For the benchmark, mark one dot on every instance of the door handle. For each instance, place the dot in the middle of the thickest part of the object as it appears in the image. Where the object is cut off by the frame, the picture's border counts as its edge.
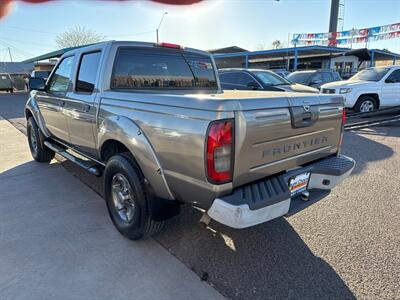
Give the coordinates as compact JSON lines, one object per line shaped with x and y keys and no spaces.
{"x":62,"y":103}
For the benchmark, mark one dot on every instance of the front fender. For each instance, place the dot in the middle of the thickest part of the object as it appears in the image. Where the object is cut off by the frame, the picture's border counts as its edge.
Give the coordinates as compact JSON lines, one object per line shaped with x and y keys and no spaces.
{"x":127,"y":132}
{"x":33,"y":108}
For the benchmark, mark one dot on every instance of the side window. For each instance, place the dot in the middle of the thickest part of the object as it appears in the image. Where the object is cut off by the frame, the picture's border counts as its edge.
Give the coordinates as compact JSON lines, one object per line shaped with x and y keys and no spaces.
{"x":244,"y":79}
{"x":336,"y":76}
{"x":326,"y":77}
{"x":228,"y":78}
{"x":317,"y":77}
{"x":87,"y":73}
{"x":61,"y":78}
{"x":394,"y":77}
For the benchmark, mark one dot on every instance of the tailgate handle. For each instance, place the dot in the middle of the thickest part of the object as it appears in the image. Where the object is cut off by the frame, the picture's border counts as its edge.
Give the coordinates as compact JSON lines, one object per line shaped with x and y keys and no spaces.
{"x":303,"y":116}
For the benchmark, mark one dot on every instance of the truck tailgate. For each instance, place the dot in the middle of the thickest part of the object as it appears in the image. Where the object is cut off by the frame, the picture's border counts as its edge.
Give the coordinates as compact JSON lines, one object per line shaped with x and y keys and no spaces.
{"x":272,"y":140}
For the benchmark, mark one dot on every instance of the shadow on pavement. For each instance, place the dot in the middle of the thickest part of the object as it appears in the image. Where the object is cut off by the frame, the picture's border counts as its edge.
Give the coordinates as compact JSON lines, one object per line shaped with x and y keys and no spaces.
{"x":374,"y":151}
{"x":269,"y":261}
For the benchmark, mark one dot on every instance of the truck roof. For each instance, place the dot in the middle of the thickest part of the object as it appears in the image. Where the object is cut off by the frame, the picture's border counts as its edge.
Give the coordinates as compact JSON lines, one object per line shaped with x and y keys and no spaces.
{"x":133,"y":44}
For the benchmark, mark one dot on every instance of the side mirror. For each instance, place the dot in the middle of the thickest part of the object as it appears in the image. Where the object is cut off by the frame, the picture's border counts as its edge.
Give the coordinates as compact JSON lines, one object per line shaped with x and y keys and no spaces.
{"x":37,"y":84}
{"x":253,"y":85}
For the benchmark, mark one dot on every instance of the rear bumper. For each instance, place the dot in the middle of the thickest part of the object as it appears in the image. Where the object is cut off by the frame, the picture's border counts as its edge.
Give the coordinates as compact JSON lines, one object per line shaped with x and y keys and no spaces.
{"x":270,"y":198}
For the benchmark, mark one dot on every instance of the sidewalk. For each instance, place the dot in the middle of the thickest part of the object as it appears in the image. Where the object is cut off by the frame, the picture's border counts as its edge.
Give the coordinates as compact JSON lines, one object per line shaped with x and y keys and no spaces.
{"x":57,"y":241}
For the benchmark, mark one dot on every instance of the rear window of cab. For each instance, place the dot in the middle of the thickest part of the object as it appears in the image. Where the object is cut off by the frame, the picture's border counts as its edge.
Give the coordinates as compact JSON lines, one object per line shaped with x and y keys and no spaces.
{"x":161,"y":69}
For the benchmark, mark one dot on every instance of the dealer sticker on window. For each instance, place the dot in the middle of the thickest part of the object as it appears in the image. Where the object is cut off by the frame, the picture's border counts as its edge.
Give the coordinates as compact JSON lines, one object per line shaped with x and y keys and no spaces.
{"x":298,"y":183}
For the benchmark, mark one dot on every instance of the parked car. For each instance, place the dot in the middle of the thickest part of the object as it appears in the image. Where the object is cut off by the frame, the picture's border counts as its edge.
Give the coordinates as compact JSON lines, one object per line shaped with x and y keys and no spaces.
{"x":258,"y":79}
{"x":369,"y":89}
{"x":6,"y":84}
{"x":314,"y":78}
{"x":40,"y":74}
{"x":282,"y":73}
{"x":154,"y":122}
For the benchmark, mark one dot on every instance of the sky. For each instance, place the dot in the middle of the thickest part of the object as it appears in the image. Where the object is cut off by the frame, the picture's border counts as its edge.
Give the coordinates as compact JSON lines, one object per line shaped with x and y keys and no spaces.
{"x":30,"y":30}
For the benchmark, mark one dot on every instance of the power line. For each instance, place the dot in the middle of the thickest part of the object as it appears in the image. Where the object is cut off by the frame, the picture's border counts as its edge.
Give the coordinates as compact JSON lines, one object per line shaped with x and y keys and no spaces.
{"x":29,"y":29}
{"x":57,"y":33}
{"x":27,"y":42}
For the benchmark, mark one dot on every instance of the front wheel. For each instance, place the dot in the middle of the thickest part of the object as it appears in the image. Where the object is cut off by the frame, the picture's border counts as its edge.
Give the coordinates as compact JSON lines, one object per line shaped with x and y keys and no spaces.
{"x":39,"y":151}
{"x":126,"y":198}
{"x":365,"y":104}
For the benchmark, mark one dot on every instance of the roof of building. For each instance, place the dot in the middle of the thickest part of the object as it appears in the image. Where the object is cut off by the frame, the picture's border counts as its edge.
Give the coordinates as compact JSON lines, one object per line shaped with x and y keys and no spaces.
{"x":306,"y":50}
{"x":231,"y":49}
{"x":365,"y":54}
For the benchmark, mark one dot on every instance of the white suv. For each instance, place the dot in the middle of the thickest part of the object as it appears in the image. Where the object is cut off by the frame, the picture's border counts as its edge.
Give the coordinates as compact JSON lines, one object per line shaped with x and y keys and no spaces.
{"x":369,"y":89}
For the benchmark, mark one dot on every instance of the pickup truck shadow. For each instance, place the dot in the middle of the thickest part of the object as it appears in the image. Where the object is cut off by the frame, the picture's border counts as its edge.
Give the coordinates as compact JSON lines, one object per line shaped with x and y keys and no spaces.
{"x":269,"y":261}
{"x":365,"y":150}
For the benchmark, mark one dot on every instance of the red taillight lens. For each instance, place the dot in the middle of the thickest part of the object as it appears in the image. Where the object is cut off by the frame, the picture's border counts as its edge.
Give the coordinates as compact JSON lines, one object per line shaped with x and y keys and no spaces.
{"x":220,"y":151}
{"x":344,"y":116}
{"x":343,"y":122}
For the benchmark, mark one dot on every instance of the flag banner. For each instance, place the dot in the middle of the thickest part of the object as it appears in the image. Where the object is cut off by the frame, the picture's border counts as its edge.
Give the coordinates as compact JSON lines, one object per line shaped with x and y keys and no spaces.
{"x":349,"y":36}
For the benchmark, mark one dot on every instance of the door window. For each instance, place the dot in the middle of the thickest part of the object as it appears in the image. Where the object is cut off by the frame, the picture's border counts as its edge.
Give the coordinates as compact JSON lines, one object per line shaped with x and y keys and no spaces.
{"x":394,"y":77}
{"x":317,"y":78}
{"x":245,"y":79}
{"x":326,"y":77}
{"x":88,"y":72}
{"x":228,"y":78}
{"x":61,"y":78}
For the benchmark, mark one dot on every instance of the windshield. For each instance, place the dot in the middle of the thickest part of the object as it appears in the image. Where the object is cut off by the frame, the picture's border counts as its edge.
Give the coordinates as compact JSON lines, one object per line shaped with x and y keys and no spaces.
{"x":270,"y":79}
{"x":373,"y":74}
{"x":300,"y":77}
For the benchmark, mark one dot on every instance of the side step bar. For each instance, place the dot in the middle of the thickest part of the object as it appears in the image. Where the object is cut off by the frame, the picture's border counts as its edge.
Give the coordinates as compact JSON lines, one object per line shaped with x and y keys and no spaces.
{"x":85,"y":164}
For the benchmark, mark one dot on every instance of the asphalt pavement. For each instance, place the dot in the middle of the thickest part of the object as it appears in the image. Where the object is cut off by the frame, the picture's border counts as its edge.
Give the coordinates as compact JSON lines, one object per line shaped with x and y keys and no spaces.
{"x":57,"y":241}
{"x":346,"y":246}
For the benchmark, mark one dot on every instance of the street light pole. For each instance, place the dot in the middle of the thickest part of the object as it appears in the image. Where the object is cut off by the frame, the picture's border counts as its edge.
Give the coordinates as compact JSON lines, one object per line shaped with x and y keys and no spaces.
{"x":159,"y":25}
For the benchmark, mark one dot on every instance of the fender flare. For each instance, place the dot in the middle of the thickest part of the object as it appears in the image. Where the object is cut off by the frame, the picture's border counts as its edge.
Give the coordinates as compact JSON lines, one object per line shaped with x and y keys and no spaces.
{"x":128,"y":133}
{"x":32,"y":106}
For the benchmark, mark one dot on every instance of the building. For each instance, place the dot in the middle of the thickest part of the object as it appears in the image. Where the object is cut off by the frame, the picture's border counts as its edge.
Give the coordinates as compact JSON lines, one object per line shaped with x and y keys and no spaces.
{"x":231,"y":49}
{"x":343,"y":60}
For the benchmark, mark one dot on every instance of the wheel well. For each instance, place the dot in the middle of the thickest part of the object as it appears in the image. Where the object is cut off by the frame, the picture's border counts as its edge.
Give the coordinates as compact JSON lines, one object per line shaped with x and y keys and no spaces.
{"x":28,"y":114}
{"x":375,"y":96}
{"x":111,"y":148}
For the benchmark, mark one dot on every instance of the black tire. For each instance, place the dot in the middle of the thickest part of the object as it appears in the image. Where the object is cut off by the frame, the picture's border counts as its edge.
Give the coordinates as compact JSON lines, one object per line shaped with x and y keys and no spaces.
{"x":36,"y":139}
{"x":365,"y":101}
{"x":141,"y":224}
{"x":11,"y":91}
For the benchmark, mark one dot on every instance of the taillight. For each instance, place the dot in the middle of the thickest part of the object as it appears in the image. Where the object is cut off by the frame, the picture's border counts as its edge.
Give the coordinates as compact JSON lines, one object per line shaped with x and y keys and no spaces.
{"x":343,"y":122}
{"x":220,"y":151}
{"x":344,"y":116}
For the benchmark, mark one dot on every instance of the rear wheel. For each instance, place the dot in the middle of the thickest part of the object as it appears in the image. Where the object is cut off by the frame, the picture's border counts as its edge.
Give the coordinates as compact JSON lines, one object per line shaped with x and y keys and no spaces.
{"x":39,"y":151}
{"x":366,"y":104}
{"x":126,"y":198}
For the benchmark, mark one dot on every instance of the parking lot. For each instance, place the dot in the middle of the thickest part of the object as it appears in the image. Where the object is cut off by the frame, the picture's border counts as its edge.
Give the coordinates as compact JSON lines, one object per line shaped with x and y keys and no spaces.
{"x":344,"y":247}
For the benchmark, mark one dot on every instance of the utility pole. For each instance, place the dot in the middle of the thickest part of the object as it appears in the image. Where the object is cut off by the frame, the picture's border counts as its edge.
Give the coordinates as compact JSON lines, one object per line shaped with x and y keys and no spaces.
{"x":333,"y":22}
{"x":9,"y":52}
{"x":159,"y":25}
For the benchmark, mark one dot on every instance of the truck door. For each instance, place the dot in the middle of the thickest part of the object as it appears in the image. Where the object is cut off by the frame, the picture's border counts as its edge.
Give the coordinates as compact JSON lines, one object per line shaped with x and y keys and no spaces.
{"x":81,"y":108}
{"x":52,"y":101}
{"x":391,"y":89}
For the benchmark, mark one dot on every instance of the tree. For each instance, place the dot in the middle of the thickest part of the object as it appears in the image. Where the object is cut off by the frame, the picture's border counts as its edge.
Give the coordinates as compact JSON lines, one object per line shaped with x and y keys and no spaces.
{"x":78,"y":36}
{"x":276,"y":44}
